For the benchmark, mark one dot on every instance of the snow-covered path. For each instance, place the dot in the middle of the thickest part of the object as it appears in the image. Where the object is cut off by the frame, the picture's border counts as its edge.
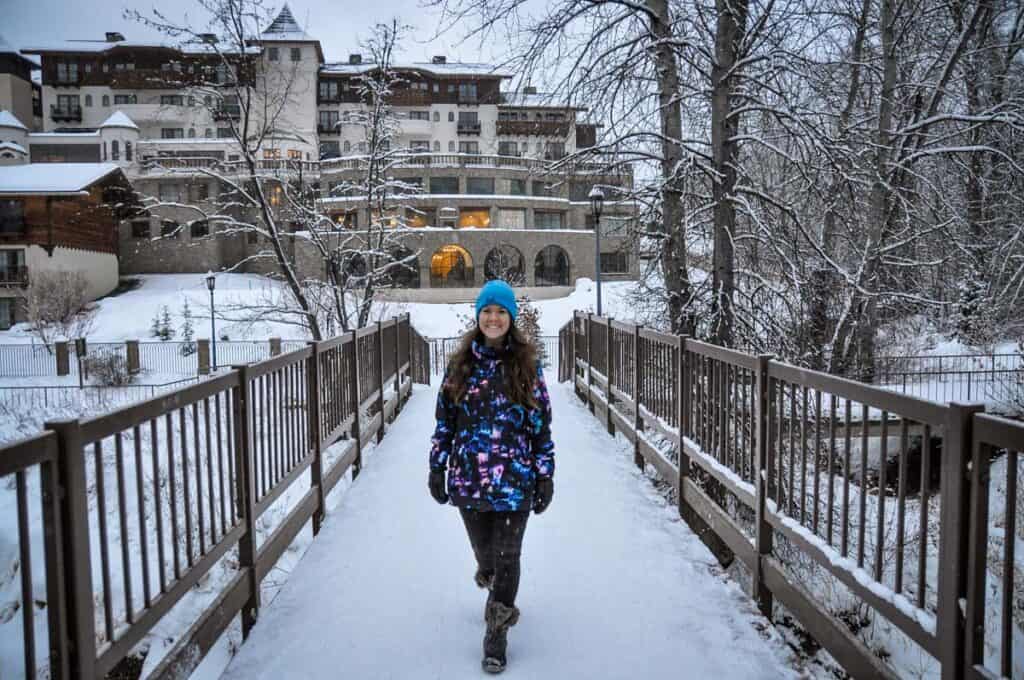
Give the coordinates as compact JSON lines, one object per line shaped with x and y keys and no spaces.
{"x":613,"y":585}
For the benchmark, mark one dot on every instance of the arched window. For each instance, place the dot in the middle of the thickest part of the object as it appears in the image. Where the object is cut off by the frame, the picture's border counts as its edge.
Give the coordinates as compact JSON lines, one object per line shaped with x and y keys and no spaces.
{"x":405,"y":269}
{"x":115,"y":151}
{"x":88,"y":100}
{"x":451,"y":146}
{"x":505,"y":262}
{"x":106,"y":100}
{"x":551,"y":267}
{"x":128,"y":151}
{"x":437,"y":117}
{"x":437,"y":145}
{"x":191,"y":133}
{"x":451,"y":267}
{"x":348,"y":146}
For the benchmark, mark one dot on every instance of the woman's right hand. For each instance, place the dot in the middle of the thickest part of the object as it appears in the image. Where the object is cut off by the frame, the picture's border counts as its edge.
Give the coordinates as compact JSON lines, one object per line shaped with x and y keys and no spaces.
{"x":438,"y":487}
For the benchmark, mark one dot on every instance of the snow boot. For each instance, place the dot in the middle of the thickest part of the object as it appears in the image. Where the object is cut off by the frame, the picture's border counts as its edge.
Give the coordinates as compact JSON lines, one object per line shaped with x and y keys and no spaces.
{"x":483,"y":580}
{"x":500,"y":617}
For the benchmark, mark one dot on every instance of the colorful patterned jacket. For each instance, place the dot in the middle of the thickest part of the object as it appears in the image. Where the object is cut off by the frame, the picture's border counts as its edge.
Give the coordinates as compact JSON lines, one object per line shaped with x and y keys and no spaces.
{"x":493,"y":449}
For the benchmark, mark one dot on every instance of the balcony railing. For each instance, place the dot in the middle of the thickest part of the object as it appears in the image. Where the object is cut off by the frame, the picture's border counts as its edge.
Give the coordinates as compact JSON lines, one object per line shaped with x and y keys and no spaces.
{"x":331,"y":129}
{"x":266,"y":166}
{"x":66,"y":113}
{"x":540,"y":128}
{"x":469,"y":128}
{"x":468,"y":99}
{"x":14,"y":276}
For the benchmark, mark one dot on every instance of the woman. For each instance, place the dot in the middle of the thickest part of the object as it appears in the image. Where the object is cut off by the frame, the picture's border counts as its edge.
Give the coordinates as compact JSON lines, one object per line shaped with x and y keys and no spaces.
{"x":493,"y":438}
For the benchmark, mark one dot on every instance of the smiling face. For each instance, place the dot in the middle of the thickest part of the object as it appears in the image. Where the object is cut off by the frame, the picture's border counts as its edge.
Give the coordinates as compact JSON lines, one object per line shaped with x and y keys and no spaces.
{"x":494,"y":322}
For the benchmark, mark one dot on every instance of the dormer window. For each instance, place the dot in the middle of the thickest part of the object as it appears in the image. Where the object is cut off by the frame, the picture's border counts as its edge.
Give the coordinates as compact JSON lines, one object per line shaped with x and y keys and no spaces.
{"x":296,"y":53}
{"x":272,"y":54}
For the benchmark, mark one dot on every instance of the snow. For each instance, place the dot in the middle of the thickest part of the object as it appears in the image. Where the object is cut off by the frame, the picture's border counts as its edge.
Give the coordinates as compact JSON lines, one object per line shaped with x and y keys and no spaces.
{"x":119,"y":119}
{"x":52,"y":178}
{"x":7,"y":120}
{"x":614,"y":585}
{"x":448,"y":69}
{"x":12,"y":146}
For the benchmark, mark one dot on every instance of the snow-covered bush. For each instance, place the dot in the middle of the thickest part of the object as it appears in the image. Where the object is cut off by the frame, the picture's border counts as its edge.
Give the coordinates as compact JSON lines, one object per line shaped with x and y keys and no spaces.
{"x":110,"y":370}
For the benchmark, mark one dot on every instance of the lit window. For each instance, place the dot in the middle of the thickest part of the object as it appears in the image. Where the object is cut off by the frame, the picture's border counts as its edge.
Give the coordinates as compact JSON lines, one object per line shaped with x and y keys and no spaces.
{"x":474,"y":218}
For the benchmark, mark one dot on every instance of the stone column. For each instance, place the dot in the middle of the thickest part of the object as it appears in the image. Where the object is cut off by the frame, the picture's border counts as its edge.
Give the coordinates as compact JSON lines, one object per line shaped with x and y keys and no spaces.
{"x":132,"y":352}
{"x":63,"y":358}
{"x":203,"y":353}
{"x":275,"y":346}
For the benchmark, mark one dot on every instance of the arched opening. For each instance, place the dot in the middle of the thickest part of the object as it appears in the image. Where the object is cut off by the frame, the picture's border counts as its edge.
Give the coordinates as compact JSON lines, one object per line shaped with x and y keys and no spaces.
{"x":551,"y":268}
{"x":505,"y":262}
{"x":451,"y":267}
{"x":405,"y":268}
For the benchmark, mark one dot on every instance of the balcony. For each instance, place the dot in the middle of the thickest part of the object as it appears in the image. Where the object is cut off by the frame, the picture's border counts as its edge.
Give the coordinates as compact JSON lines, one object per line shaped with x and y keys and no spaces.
{"x":540,"y":128}
{"x":469,"y":128}
{"x":66,"y":81}
{"x":14,"y":276}
{"x":66,"y":113}
{"x":327,"y":129}
{"x":410,"y":98}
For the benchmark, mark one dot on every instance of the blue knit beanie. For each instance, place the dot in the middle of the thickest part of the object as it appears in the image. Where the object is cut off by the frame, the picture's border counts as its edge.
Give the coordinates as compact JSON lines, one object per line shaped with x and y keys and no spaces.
{"x":497,"y":292}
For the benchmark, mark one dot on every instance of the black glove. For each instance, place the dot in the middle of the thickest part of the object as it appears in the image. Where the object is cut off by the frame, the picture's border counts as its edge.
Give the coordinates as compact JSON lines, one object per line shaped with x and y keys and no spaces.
{"x":542,"y":494}
{"x":438,"y":487}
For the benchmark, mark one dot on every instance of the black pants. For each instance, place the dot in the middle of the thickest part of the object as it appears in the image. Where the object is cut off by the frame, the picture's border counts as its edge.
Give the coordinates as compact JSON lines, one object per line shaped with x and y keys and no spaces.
{"x":497,"y":539}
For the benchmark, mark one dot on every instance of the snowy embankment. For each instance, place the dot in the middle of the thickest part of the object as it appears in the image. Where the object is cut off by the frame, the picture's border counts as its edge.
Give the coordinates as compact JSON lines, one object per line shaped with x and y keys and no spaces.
{"x":614,"y":585}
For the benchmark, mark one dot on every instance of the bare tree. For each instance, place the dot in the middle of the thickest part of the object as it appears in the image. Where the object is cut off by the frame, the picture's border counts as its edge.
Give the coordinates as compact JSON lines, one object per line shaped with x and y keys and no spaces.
{"x":57,"y":306}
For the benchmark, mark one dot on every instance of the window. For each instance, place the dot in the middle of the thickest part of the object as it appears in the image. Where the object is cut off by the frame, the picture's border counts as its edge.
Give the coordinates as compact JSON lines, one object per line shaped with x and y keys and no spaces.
{"x":296,"y":54}
{"x":474,"y":218}
{"x":191,"y":133}
{"x":169,"y":229}
{"x":543,"y":189}
{"x":469,"y":147}
{"x":271,"y":154}
{"x":128,"y":151}
{"x":508,"y":149}
{"x":106,"y":100}
{"x":615,"y":263}
{"x":6,"y":313}
{"x":517,"y":187}
{"x":68,"y":102}
{"x":419,"y":218}
{"x":419,"y":145}
{"x":224,"y":133}
{"x":437,"y":145}
{"x":191,"y":101}
{"x":198,"y":191}
{"x":140,"y":228}
{"x":551,"y":267}
{"x":348,"y":146}
{"x":67,"y":71}
{"x":451,"y":116}
{"x":208,"y":133}
{"x":444,"y":185}
{"x":88,"y":100}
{"x":329,"y":150}
{"x":419,"y":115}
{"x":547,"y":220}
{"x":327,"y":121}
{"x":437,"y":117}
{"x":172,"y":133}
{"x":512,"y":218}
{"x":207,"y":101}
{"x":171,"y":100}
{"x":479,"y":185}
{"x":554,"y":151}
{"x":199,"y":229}
{"x":115,"y":151}
{"x":272,"y":54}
{"x":294,"y":155}
{"x":349,"y":220}
{"x":467,"y":92}
{"x":451,"y":146}
{"x":361,"y":147}
{"x":169,"y":193}
{"x":12,"y":216}
{"x":123,"y":99}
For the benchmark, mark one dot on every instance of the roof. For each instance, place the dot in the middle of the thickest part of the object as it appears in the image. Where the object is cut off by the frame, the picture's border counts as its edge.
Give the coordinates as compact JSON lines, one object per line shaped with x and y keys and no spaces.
{"x":7,"y":48}
{"x":119,"y":119}
{"x":8,"y":120}
{"x":447,"y":69}
{"x":534,"y":99}
{"x":98,"y":46}
{"x":285,"y":28}
{"x":52,"y":178}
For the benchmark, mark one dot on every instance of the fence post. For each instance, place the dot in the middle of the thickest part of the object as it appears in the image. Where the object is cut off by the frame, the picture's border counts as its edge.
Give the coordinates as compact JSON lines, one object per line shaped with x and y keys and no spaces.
{"x":75,"y":550}
{"x":81,"y":350}
{"x":275,"y":346}
{"x":953,"y":544}
{"x":638,"y":421}
{"x":354,"y":392}
{"x":131,"y":351}
{"x":977,"y":553}
{"x":590,"y":368}
{"x":245,"y":484}
{"x":609,"y":365}
{"x":203,"y":355}
{"x":380,"y":379}
{"x":316,"y":468}
{"x":63,"y":358}
{"x":398,"y":370}
{"x":762,"y":530}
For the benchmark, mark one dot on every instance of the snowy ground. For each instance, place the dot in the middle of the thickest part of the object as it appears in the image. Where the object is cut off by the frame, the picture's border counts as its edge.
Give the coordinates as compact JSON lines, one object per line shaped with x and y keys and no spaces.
{"x":613,"y":585}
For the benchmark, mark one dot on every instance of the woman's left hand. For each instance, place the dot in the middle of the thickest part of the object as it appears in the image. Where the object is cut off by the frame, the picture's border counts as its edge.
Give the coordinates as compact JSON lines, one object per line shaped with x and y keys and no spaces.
{"x":542,"y":494}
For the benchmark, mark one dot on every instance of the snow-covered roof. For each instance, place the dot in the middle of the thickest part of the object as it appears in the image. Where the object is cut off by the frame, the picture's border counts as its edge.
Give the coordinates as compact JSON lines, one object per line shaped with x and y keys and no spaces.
{"x":8,"y":48}
{"x":8,"y":120}
{"x":447,"y":69}
{"x":13,"y":146}
{"x":99,"y":46}
{"x":533,"y":99}
{"x":52,"y":178}
{"x":119,"y":119}
{"x":285,"y":29}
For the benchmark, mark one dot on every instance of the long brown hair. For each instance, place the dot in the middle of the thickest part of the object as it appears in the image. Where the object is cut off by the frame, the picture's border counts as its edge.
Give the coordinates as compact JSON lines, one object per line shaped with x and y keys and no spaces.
{"x":520,"y":359}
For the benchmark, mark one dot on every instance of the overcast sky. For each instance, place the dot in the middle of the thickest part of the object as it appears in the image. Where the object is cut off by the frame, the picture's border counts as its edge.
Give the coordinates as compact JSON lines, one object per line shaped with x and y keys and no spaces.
{"x":339,"y":24}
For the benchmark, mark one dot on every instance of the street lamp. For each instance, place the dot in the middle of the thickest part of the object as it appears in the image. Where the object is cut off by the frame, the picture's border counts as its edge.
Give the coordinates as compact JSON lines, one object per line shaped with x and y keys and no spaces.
{"x":211,"y":283}
{"x":596,"y":203}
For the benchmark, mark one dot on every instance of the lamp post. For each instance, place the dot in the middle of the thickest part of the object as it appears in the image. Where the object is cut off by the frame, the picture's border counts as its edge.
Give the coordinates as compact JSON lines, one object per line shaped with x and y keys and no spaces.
{"x":211,"y":283}
{"x":596,"y":203}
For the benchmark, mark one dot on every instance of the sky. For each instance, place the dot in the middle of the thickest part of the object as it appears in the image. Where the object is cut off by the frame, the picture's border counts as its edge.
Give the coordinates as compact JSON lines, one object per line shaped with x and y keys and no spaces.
{"x":340,"y":25}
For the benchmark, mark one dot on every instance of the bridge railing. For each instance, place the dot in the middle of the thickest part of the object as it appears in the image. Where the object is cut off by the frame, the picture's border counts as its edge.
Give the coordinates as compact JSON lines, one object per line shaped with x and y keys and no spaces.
{"x":207,"y":484}
{"x":780,"y":466}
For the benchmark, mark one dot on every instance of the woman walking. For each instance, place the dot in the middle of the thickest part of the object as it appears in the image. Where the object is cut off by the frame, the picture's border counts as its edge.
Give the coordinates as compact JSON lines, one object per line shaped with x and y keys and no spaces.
{"x":493,"y":439}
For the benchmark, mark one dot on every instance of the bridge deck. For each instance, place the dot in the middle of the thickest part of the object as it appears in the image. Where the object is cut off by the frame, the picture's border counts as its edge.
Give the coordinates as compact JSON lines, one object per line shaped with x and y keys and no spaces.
{"x":613,"y":585}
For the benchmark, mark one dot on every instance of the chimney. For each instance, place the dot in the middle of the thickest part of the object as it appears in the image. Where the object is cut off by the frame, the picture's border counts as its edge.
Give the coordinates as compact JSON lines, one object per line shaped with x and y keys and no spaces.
{"x":208,"y":38}
{"x":114,"y":36}
{"x":439,"y":59}
{"x":355,"y":59}
{"x":530,"y":89}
